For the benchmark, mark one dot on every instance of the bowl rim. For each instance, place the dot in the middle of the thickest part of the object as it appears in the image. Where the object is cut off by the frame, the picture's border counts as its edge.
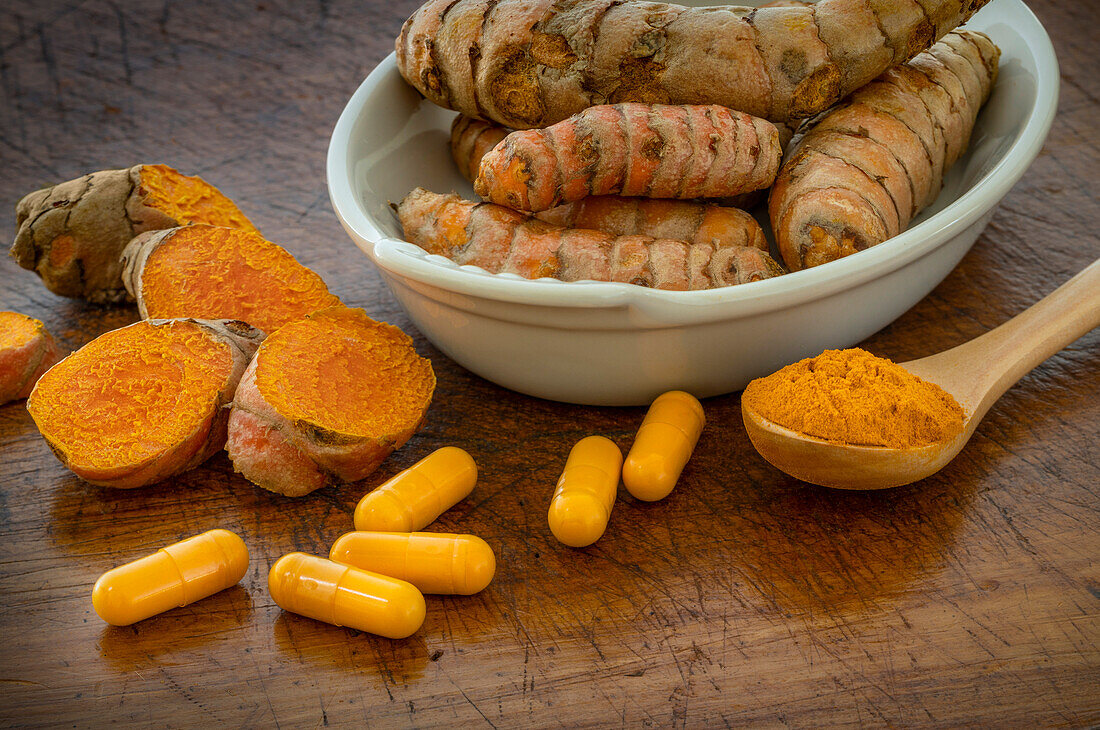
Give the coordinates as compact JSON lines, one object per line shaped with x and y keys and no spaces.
{"x":405,"y":259}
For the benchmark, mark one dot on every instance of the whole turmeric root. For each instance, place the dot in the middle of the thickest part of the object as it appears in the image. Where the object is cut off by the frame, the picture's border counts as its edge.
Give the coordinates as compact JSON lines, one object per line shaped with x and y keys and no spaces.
{"x":326,"y":399}
{"x":531,"y":63}
{"x":863,"y":170}
{"x":647,"y":150}
{"x":72,"y":234}
{"x":499,"y":239}
{"x":680,"y":220}
{"x":26,"y":351}
{"x":470,"y":140}
{"x":144,"y":402}
{"x":220,"y":273}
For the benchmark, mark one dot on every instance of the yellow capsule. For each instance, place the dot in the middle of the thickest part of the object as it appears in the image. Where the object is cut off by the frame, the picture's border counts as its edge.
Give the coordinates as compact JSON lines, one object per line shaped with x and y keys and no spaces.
{"x":174,"y":576}
{"x":345,"y":596}
{"x":663,"y":445}
{"x":433,"y":562}
{"x":585,"y":494}
{"x":413,"y":499}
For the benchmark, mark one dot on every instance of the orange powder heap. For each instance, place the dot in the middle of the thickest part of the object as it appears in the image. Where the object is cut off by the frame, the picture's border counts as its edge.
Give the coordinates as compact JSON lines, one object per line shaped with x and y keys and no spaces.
{"x":851,"y":396}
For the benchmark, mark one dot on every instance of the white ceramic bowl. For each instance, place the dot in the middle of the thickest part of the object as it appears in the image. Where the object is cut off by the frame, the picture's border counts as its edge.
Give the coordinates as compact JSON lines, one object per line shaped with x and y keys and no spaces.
{"x":617,"y":344}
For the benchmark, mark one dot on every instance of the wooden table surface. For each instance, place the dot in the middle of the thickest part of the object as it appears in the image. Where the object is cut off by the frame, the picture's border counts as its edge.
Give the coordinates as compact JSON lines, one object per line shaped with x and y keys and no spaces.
{"x":972,"y":598}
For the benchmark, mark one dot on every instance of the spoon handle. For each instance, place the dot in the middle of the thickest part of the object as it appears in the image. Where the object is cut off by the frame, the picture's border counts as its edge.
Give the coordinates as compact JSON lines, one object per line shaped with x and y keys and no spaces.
{"x":1004,"y":355}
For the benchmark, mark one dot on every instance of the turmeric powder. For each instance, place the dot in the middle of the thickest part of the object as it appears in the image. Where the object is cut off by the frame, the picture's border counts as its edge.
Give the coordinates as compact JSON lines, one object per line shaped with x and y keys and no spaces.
{"x":72,"y":234}
{"x":852,"y":397}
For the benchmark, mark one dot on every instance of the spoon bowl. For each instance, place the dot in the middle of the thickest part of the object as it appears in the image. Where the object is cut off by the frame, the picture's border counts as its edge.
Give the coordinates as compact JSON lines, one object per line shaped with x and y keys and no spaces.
{"x":975,"y":373}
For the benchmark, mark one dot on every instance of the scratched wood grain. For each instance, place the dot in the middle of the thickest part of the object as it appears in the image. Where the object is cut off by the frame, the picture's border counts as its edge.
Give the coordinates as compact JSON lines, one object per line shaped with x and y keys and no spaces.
{"x":972,"y":598}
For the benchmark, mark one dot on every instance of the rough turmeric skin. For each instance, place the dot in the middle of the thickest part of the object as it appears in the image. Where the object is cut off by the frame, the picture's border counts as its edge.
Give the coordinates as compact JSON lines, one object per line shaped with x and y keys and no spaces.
{"x":26,"y":351}
{"x":853,"y":397}
{"x":681,"y":220}
{"x":860,"y":173}
{"x":220,"y":273}
{"x":471,"y":139}
{"x":499,"y":239}
{"x":646,"y":150}
{"x":144,"y":402}
{"x":72,"y":234}
{"x":531,"y":63}
{"x":327,"y":398}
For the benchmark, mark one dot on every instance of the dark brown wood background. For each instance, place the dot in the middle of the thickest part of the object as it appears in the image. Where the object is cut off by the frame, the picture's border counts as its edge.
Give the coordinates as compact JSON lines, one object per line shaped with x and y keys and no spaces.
{"x":744,"y":598}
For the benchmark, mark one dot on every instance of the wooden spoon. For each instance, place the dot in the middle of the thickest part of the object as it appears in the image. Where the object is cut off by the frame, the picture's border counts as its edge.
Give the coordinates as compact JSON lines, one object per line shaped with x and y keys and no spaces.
{"x":976,"y":373}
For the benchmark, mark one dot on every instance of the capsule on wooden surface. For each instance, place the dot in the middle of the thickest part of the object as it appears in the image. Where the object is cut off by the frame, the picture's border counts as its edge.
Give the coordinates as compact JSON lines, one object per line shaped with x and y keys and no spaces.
{"x":173,"y":576}
{"x":345,"y":596}
{"x":433,"y":562}
{"x":585,"y":494}
{"x":663,"y":445}
{"x":413,"y":499}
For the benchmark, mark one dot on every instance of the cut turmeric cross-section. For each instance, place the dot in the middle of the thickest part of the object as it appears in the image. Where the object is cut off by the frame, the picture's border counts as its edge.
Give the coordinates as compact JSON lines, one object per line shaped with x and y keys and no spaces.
{"x":144,"y":402}
{"x":326,"y":400}
{"x":220,"y":273}
{"x":26,"y":351}
{"x":72,"y":234}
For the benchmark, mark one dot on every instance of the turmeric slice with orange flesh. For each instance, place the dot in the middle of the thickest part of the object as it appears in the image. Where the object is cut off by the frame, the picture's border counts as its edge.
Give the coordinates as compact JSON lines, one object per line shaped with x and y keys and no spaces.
{"x":26,"y":351}
{"x":144,"y":402}
{"x":72,"y":234}
{"x":220,"y":273}
{"x":327,"y":398}
{"x":501,"y":240}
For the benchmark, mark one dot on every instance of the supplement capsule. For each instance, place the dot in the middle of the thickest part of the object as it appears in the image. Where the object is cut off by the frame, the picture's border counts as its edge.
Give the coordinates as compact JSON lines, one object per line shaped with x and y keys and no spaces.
{"x":413,"y":499}
{"x":663,"y":445}
{"x":345,"y":596}
{"x":174,"y":576}
{"x":586,"y":491}
{"x":433,"y":562}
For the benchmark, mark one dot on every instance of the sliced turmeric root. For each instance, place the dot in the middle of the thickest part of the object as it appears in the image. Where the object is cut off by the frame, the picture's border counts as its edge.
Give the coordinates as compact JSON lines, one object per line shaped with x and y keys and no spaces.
{"x":500,"y":240}
{"x":26,"y":351}
{"x":72,"y":234}
{"x":144,"y":402}
{"x":326,"y":399}
{"x":220,"y":273}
